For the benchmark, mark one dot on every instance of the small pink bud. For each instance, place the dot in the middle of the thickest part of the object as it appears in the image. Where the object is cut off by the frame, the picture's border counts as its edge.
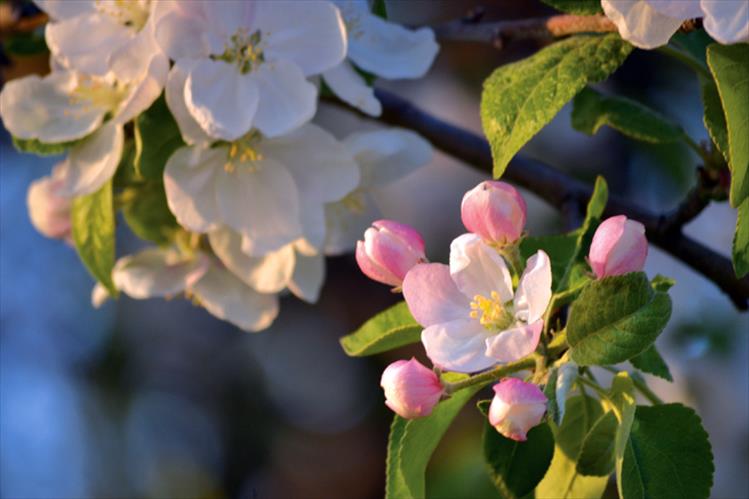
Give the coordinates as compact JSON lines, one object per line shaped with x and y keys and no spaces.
{"x":48,"y":210}
{"x":388,"y":251}
{"x":411,"y":389}
{"x":516,"y":408}
{"x":495,"y":211}
{"x":619,"y":246}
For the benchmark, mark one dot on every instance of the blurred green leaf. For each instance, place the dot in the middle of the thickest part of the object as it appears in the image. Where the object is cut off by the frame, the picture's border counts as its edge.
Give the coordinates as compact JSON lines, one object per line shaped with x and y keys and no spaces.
{"x":519,"y":99}
{"x":616,"y":318}
{"x":148,"y":214}
{"x":379,"y":8}
{"x":25,"y":44}
{"x":579,"y":7}
{"x":741,"y":241}
{"x":157,"y":136}
{"x":34,"y":146}
{"x":650,"y":361}
{"x":714,"y":118}
{"x":93,"y":228}
{"x":385,"y":331}
{"x":668,"y":455}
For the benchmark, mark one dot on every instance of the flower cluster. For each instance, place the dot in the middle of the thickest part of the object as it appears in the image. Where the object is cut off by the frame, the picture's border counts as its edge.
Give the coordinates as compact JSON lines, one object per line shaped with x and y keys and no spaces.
{"x":474,"y":315}
{"x":651,"y":23}
{"x":260,"y":191}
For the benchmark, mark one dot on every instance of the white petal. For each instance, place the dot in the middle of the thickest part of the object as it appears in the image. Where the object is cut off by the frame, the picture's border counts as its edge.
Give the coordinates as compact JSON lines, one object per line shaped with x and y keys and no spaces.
{"x":65,"y":9}
{"x":228,"y":298}
{"x":458,"y":345}
{"x":310,"y":34}
{"x":680,"y":9}
{"x":181,"y":30}
{"x":639,"y":23}
{"x":432,"y":296}
{"x":534,"y":290}
{"x":267,"y":274}
{"x":132,"y":58}
{"x":221,"y":99}
{"x":92,"y":162}
{"x":103,"y":35}
{"x":44,"y":109}
{"x":190,"y":183}
{"x":388,"y":49}
{"x":99,"y":295}
{"x":260,"y":201}
{"x":146,"y":90}
{"x":351,"y":88}
{"x":388,"y":155}
{"x":727,"y":20}
{"x":286,"y":99}
{"x":191,"y":131}
{"x":308,"y":277}
{"x":230,"y":17}
{"x":155,"y":272}
{"x":477,"y":268}
{"x":347,"y":220}
{"x":514,"y":343}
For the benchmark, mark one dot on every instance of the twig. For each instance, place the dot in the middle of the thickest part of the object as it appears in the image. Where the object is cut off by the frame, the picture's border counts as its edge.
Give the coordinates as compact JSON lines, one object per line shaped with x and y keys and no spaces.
{"x":557,"y":188}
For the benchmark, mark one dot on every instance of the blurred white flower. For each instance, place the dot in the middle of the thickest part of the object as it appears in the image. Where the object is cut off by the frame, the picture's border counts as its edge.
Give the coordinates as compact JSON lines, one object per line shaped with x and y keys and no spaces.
{"x":271,"y":191}
{"x":383,"y":156}
{"x":48,"y":210}
{"x":382,"y":48}
{"x":244,"y":65}
{"x":159,"y":272}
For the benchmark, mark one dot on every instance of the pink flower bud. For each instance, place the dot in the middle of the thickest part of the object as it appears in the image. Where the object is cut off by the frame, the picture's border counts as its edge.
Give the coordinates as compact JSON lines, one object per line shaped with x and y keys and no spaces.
{"x":495,"y":211}
{"x":388,"y":251}
{"x":48,"y":210}
{"x":411,"y":389}
{"x":619,"y":246}
{"x":516,"y":408}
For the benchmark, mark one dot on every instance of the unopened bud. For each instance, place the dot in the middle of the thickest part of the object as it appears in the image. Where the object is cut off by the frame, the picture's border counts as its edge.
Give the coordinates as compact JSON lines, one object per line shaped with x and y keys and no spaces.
{"x":388,"y":251}
{"x":495,"y":211}
{"x":619,"y":246}
{"x":411,"y":389}
{"x":516,"y":408}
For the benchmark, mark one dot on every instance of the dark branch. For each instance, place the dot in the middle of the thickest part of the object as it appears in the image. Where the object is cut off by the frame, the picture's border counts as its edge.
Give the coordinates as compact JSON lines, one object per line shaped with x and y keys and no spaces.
{"x":563,"y":192}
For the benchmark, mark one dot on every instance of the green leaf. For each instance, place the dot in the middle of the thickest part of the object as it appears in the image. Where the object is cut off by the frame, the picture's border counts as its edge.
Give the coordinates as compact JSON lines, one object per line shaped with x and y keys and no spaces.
{"x":517,"y":467}
{"x":622,"y":396}
{"x":147,"y":213}
{"x":729,"y":65}
{"x":560,"y":248}
{"x":668,"y":455}
{"x":579,"y":7}
{"x":385,"y":331}
{"x":597,"y":453}
{"x":379,"y":8}
{"x":157,"y":136}
{"x":592,"y":110}
{"x":650,"y":361}
{"x":25,"y":44}
{"x":714,"y":117}
{"x":92,"y":219}
{"x":741,"y":241}
{"x":662,"y":283}
{"x":550,"y":390}
{"x":616,"y":318}
{"x":34,"y":146}
{"x":412,"y":442}
{"x":563,"y":480}
{"x":519,"y":99}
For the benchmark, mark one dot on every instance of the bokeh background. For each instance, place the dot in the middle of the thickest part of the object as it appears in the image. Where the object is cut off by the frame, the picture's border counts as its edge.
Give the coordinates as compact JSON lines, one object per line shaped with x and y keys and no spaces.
{"x":158,"y":399}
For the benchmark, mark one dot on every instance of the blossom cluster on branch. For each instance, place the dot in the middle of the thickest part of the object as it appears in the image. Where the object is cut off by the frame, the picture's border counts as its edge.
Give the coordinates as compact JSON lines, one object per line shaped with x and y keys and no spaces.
{"x":257,"y":191}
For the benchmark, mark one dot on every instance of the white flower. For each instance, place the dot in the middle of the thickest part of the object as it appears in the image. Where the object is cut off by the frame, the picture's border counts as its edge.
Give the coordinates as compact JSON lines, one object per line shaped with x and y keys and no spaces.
{"x":89,"y":36}
{"x":471,"y":318}
{"x":651,"y":23}
{"x":159,"y":272}
{"x":380,"y":47}
{"x":271,"y":191}
{"x":383,"y":156}
{"x":244,"y":64}
{"x":48,"y":210}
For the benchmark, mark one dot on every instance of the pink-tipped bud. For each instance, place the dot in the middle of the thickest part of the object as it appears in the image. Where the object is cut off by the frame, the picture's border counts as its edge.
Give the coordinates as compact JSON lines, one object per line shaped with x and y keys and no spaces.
{"x":516,"y":408}
{"x":411,"y":389}
{"x":619,"y":246}
{"x":48,"y":210}
{"x":388,"y":251}
{"x":495,"y":211}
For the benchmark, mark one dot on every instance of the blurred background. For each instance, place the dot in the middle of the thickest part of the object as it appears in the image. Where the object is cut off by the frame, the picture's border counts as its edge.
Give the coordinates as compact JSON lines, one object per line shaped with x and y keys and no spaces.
{"x":158,"y":399}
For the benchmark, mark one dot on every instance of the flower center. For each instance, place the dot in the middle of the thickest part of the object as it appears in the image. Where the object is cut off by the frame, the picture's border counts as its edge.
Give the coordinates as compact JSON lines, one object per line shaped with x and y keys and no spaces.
{"x":130,"y":13}
{"x":244,"y":49}
{"x":355,"y":202}
{"x":100,"y":94}
{"x":491,"y":312}
{"x":244,"y":150}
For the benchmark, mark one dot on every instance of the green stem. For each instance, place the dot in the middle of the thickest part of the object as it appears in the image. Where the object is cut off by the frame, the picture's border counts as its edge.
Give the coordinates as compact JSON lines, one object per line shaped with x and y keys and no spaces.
{"x":640,"y":385}
{"x":688,"y":60}
{"x":491,"y":375}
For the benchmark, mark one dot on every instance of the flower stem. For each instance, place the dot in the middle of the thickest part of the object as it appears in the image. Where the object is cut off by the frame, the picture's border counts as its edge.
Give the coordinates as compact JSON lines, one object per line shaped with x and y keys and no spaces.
{"x":640,"y":385}
{"x":492,"y":374}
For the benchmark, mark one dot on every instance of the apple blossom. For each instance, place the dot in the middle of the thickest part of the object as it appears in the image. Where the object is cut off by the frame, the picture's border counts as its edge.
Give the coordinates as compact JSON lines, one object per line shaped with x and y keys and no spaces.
{"x":619,"y":246}
{"x":651,"y":23}
{"x":517,"y":407}
{"x":245,"y":64}
{"x":471,"y":319}
{"x":271,"y":191}
{"x":383,"y":157}
{"x":379,"y":47}
{"x":164,"y":272}
{"x":49,"y":211}
{"x":411,"y":389}
{"x":388,"y":251}
{"x":495,"y":211}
